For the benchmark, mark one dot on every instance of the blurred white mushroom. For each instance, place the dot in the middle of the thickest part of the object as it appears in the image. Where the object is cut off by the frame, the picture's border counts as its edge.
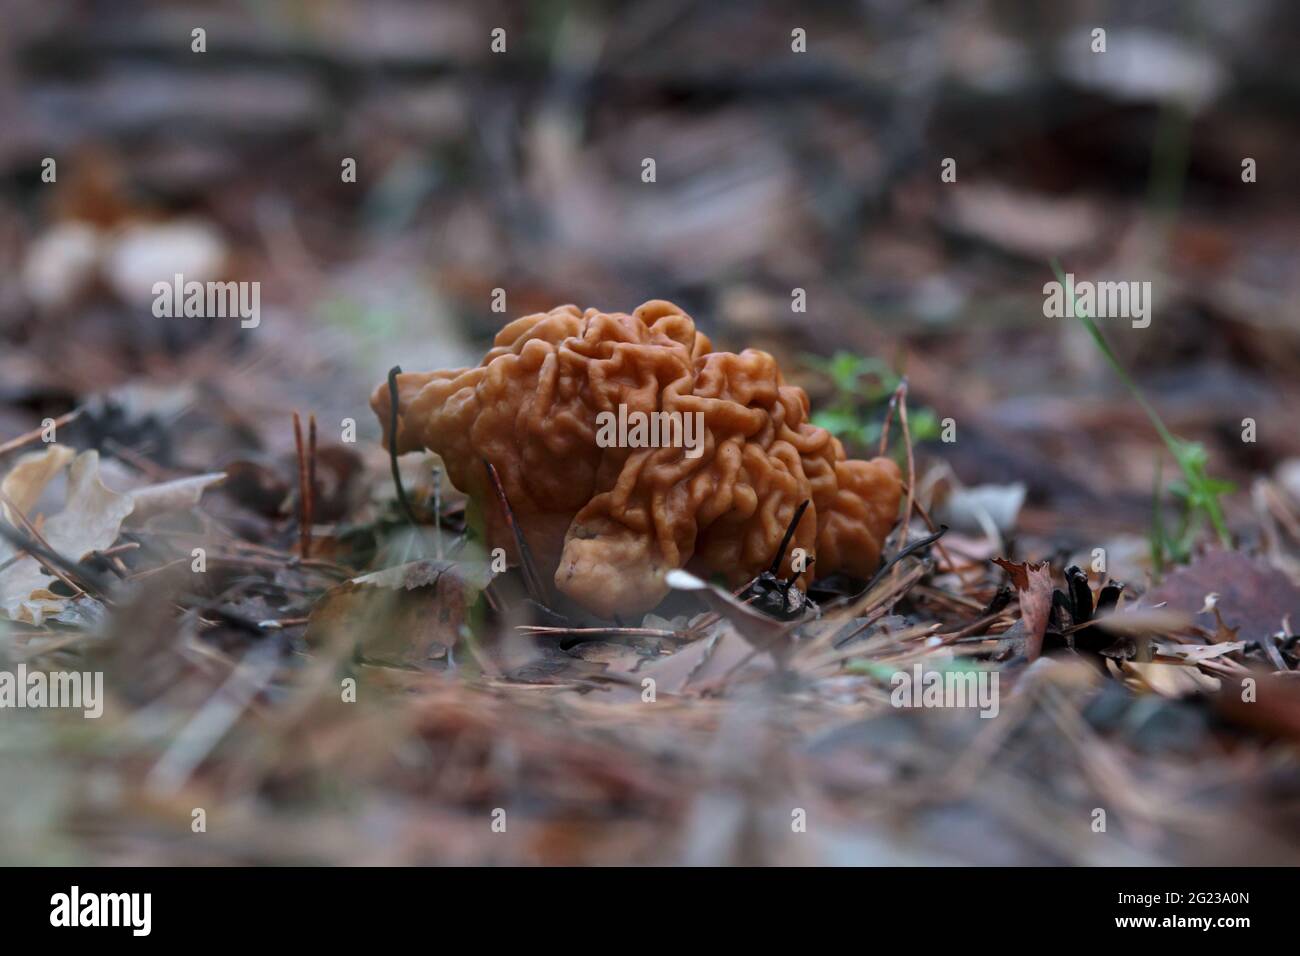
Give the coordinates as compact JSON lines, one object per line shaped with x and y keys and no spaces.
{"x":1144,"y":66}
{"x":60,"y":263}
{"x":148,"y":252}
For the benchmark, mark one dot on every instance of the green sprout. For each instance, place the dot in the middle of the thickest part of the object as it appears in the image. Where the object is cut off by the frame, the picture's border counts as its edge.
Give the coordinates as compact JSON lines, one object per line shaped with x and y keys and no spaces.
{"x":1199,"y":492}
{"x":863,"y":385}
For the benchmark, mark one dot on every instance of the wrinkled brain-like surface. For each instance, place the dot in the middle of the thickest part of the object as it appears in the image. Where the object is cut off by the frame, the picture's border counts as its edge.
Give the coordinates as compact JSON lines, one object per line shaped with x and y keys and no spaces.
{"x":610,"y":521}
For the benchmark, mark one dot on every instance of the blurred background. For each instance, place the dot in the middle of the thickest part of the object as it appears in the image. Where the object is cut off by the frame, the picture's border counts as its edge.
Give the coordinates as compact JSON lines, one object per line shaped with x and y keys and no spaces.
{"x":775,"y":171}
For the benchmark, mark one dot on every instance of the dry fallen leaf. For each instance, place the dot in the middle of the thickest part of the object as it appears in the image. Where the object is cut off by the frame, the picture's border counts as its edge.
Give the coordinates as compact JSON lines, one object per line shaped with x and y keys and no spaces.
{"x":1033,"y":582}
{"x":91,"y":520}
{"x":763,"y":632}
{"x":1251,"y":599}
{"x":1169,"y":680}
{"x":1194,"y":653}
{"x":168,"y":496}
{"x":409,"y":614}
{"x":698,"y":666}
{"x":30,"y":474}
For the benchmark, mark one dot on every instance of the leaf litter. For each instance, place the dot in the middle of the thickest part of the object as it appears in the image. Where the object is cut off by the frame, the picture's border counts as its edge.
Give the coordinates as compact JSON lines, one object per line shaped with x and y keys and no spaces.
{"x":470,"y":696}
{"x":612,"y":741}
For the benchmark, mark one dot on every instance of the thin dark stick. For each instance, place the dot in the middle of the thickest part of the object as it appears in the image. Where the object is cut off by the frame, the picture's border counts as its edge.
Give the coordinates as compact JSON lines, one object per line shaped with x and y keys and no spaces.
{"x":31,"y":436}
{"x":976,"y":627}
{"x":632,"y":631}
{"x":911,"y":464}
{"x":929,"y":523}
{"x":393,"y":372}
{"x":302,"y":487}
{"x":311,"y":484}
{"x":789,"y":533}
{"x":885,"y":603}
{"x":90,"y":582}
{"x":437,"y":513}
{"x":899,"y":400}
{"x":532,"y":580}
{"x":915,"y":546}
{"x":31,"y":530}
{"x":889,"y":418}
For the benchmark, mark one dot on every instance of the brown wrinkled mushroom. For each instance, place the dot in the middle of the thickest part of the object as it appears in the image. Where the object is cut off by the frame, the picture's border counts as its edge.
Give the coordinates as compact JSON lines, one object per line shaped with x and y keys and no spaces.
{"x":611,"y":521}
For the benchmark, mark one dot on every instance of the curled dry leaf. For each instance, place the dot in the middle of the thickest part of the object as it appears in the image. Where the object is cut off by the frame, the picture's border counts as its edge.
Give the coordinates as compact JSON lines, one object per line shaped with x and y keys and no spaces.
{"x":1033,"y":583}
{"x":90,"y":521}
{"x":181,"y":494}
{"x":26,"y":480}
{"x":93,"y":515}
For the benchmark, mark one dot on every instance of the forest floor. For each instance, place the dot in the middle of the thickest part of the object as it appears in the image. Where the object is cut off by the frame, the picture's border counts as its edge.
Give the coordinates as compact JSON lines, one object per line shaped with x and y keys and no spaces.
{"x":295,"y":671}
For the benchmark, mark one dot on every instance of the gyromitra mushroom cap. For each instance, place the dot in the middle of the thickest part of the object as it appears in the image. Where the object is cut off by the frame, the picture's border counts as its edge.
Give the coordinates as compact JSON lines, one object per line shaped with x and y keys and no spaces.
{"x":611,"y":520}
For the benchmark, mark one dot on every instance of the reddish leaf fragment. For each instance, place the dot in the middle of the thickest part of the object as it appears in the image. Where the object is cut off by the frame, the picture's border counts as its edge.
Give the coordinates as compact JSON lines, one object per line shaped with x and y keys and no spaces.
{"x":1033,"y":583}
